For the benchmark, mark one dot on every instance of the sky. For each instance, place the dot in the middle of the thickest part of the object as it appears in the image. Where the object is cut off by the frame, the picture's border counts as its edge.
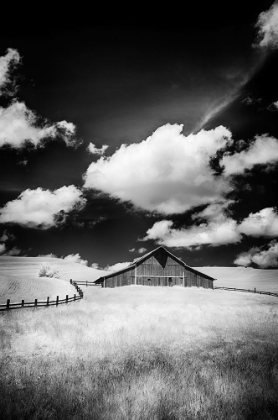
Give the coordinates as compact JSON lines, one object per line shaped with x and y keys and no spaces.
{"x":123,"y":130}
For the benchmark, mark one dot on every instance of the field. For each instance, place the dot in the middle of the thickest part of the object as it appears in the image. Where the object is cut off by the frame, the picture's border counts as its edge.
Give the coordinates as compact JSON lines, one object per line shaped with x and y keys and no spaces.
{"x":19,"y":279}
{"x":139,"y":353}
{"x":243,"y":278}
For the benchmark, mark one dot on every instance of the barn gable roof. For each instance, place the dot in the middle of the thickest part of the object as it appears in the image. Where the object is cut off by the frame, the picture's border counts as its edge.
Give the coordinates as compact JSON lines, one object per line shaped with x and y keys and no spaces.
{"x":155,"y":253}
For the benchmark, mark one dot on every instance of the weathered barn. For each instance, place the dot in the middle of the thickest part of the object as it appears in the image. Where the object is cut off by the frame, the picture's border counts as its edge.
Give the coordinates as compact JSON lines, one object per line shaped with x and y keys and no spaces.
{"x":157,"y":268}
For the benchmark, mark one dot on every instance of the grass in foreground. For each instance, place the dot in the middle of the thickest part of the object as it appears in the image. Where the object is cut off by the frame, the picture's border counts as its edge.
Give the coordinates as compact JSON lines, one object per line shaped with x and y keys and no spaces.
{"x":143,"y":353}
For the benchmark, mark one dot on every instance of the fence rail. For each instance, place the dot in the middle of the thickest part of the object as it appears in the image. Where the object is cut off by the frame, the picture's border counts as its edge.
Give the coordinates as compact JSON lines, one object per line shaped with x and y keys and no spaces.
{"x":43,"y":303}
{"x":87,"y":283}
{"x":261,"y":292}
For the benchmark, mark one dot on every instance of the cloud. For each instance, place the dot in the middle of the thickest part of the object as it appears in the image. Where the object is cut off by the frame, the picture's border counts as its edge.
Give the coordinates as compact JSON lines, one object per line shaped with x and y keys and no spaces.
{"x":96,"y":266}
{"x":7,"y":63}
{"x":142,"y":250}
{"x":263,"y":223}
{"x":264,"y":151}
{"x":213,"y":233}
{"x":275,"y":105}
{"x":218,"y":229}
{"x":14,"y":251}
{"x":167,"y":173}
{"x":267,"y":25}
{"x":39,"y":208}
{"x":2,"y":248}
{"x":263,"y":259}
{"x":18,"y":124}
{"x":117,"y":266}
{"x":93,"y":149}
{"x":6,"y":236}
{"x":75,"y":258}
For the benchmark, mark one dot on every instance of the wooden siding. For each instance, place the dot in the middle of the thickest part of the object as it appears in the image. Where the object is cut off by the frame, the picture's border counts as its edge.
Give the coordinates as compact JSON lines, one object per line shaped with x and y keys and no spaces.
{"x":151,"y":273}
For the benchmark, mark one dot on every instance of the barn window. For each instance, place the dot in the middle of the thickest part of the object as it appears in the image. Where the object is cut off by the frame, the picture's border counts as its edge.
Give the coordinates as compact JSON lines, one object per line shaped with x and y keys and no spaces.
{"x":170,"y":281}
{"x":149,"y":282}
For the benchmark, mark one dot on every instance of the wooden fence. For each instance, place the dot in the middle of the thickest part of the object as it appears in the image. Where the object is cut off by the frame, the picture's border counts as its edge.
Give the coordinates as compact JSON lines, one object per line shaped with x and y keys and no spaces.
{"x":42,"y":303}
{"x":261,"y":292}
{"x":87,"y":283}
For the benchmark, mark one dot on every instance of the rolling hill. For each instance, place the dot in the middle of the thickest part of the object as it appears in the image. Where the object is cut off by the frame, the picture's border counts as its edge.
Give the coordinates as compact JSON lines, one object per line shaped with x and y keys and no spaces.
{"x":19,"y":278}
{"x":243,"y":278}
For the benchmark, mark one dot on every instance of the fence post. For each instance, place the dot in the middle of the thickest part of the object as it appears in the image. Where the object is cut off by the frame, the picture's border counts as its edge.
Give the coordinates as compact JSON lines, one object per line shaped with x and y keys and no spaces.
{"x":67,"y":298}
{"x":74,"y":297}
{"x":36,"y":302}
{"x":8,"y":304}
{"x":57,"y":301}
{"x":22,"y":303}
{"x":86,"y":283}
{"x":70,"y":281}
{"x":47,"y":302}
{"x":254,"y":289}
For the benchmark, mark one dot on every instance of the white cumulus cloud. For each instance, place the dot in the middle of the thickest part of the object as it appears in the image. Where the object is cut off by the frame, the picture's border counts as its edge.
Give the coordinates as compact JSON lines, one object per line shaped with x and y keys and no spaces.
{"x":11,"y":59}
{"x":267,"y":25}
{"x":218,"y":228}
{"x":262,"y":258}
{"x":95,"y":151}
{"x":263,"y":223}
{"x":264,"y":150}
{"x":75,"y":258}
{"x":18,"y":124}
{"x":168,"y":172}
{"x":212,"y":233}
{"x":117,"y":266}
{"x":38,"y":208}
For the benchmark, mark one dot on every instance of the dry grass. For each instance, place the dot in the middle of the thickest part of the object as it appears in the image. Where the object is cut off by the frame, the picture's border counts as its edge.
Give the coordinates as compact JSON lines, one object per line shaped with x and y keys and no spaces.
{"x":243,"y":278}
{"x":143,"y":353}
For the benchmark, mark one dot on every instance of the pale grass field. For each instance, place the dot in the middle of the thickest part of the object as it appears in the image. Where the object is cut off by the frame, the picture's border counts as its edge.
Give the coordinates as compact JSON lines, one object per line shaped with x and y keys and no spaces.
{"x":19,"y":279}
{"x":140,"y":352}
{"x":243,"y":278}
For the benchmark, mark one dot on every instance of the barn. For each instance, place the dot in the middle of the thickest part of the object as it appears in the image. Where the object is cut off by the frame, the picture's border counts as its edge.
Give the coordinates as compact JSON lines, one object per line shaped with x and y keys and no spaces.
{"x":157,"y":268}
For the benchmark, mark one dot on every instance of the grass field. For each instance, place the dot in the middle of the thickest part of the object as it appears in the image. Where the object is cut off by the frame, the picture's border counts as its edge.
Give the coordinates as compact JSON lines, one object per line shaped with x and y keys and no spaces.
{"x":243,"y":278}
{"x":19,"y":279}
{"x":143,"y":353}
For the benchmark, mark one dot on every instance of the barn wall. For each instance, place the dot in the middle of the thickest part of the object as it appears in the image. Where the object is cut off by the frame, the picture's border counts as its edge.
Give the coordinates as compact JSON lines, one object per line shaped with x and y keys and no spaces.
{"x":151,"y":267}
{"x":123,"y":279}
{"x":151,"y":273}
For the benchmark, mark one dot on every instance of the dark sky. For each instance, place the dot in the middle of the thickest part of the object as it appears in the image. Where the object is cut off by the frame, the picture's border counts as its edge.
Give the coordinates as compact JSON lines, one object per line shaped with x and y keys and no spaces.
{"x":119,"y":76}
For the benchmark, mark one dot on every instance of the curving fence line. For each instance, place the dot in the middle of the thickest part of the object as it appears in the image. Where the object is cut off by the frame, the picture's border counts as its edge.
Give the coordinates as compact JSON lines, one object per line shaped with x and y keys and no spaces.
{"x":44,"y":303}
{"x":261,"y":292}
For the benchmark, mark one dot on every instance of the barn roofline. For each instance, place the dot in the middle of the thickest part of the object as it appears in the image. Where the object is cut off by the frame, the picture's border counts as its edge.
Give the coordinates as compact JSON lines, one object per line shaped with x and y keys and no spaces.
{"x":145,"y":257}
